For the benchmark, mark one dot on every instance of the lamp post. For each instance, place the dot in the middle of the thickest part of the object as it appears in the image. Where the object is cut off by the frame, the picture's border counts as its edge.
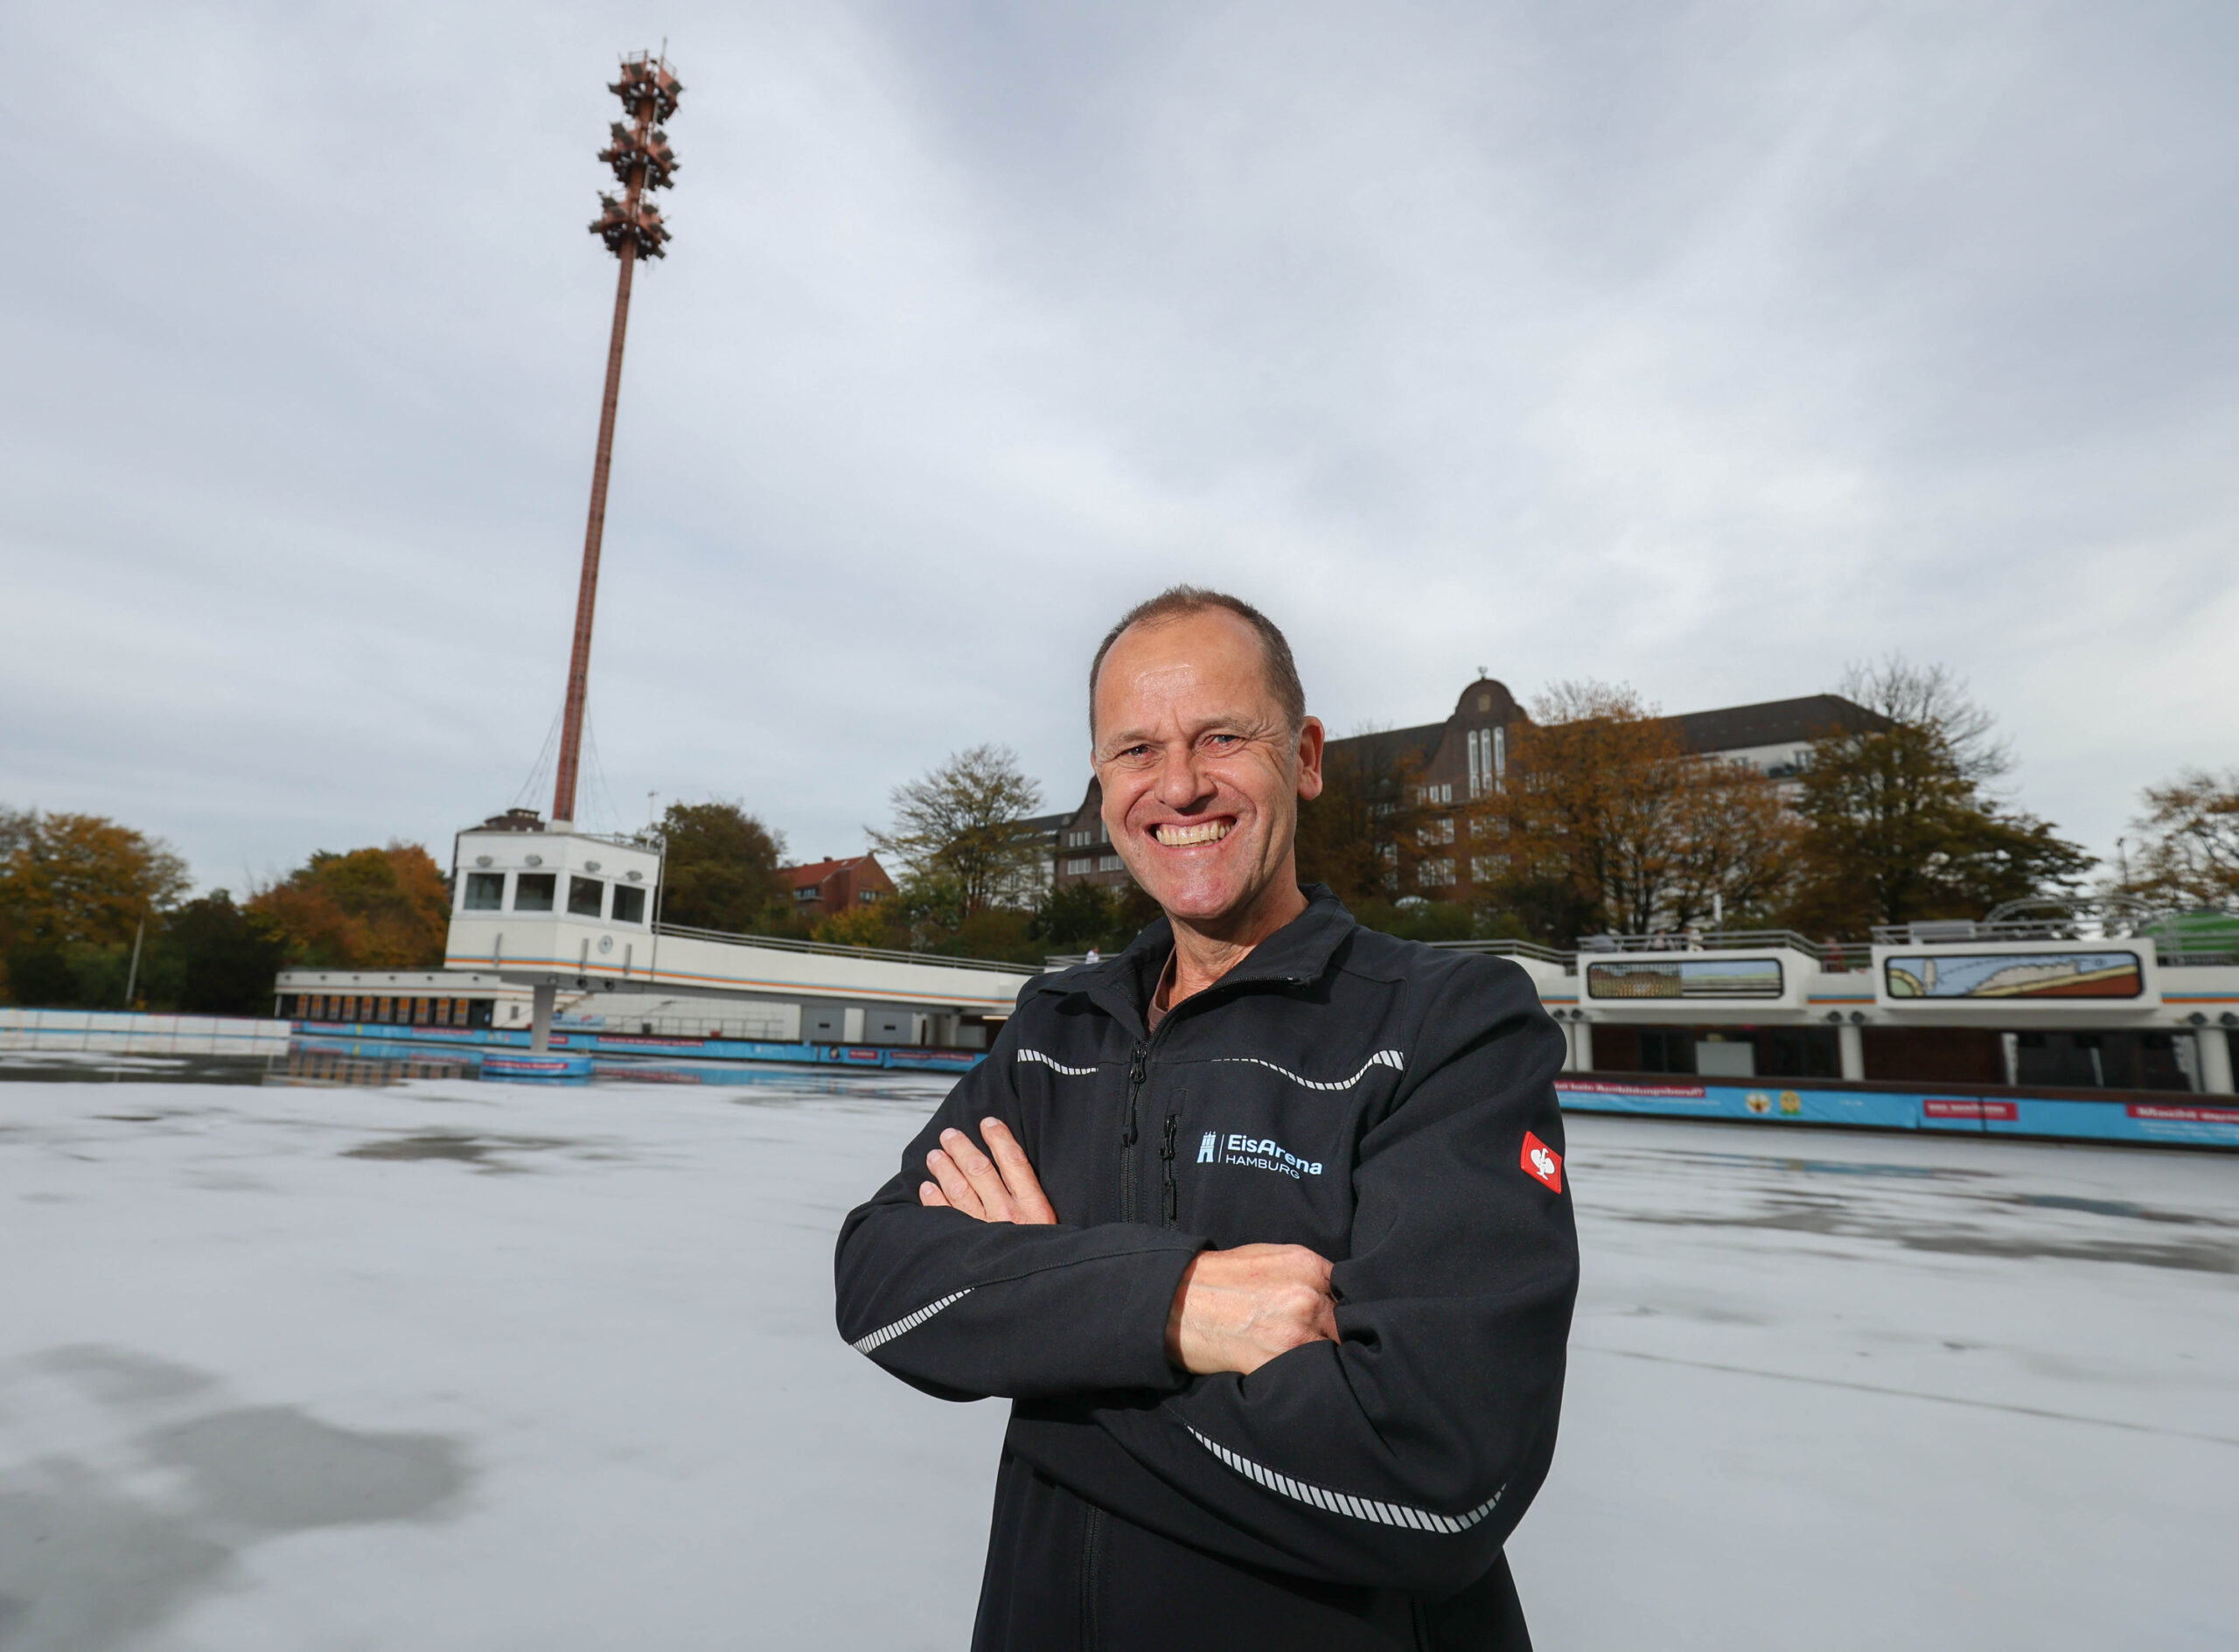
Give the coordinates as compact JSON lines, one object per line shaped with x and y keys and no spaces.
{"x":631,"y":228}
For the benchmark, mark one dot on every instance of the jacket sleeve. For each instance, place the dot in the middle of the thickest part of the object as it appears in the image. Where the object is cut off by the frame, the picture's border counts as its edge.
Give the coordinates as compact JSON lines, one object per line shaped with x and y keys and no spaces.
{"x":965,"y":1309}
{"x":1402,"y":1456}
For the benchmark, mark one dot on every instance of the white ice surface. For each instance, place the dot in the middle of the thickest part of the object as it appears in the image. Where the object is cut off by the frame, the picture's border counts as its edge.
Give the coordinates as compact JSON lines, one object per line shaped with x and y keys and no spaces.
{"x":456,"y":1366}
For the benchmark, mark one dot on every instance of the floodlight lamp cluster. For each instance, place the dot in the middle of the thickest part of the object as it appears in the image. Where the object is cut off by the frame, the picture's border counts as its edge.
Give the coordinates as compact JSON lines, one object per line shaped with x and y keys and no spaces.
{"x":634,"y":223}
{"x":641,"y":157}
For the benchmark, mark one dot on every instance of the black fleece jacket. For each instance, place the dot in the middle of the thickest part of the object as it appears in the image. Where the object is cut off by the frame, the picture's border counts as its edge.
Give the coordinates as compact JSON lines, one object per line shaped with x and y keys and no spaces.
{"x":1388,"y":1105}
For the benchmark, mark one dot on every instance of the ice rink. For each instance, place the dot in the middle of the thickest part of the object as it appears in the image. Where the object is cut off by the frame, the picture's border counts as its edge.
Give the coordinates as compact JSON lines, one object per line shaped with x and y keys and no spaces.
{"x":454,"y":1367}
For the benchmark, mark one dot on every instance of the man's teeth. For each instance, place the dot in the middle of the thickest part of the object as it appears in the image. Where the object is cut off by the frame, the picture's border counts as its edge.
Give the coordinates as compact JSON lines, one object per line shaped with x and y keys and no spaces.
{"x":1204,"y":832}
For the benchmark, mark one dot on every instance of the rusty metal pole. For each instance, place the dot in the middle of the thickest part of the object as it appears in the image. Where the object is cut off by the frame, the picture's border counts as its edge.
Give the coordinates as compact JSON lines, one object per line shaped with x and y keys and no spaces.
{"x":579,"y":660}
{"x":642,"y":159}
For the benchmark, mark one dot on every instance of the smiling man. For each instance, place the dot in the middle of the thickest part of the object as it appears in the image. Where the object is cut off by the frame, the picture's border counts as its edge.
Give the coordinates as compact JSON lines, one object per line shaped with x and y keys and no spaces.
{"x":1261,"y":1225}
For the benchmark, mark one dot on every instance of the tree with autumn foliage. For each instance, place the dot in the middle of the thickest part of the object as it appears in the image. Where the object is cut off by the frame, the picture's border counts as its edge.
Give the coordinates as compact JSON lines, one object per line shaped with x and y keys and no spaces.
{"x":2190,"y":857}
{"x":1607,"y":821}
{"x":364,"y":909}
{"x":1359,"y":836}
{"x":960,"y":836}
{"x":72,"y":889}
{"x":68,"y":878}
{"x":1901,"y":824}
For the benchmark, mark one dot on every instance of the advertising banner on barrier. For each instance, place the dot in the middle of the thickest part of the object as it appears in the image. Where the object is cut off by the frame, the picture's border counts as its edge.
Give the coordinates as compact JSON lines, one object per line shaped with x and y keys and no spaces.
{"x":2187,"y":1123}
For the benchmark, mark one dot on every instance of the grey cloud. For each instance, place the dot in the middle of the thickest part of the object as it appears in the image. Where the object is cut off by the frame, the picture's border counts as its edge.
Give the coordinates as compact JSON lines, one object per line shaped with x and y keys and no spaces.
{"x":1704,"y":347}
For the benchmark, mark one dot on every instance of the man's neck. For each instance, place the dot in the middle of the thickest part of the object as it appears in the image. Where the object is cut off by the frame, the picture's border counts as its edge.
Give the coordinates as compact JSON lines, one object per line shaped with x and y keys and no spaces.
{"x":1203,"y":954}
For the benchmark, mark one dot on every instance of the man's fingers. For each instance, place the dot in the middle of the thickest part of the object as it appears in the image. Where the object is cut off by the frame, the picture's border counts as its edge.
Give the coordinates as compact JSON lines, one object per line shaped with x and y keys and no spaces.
{"x":979,"y":1170}
{"x":930,"y":1194}
{"x":1028,"y":1204}
{"x":953,"y":1185}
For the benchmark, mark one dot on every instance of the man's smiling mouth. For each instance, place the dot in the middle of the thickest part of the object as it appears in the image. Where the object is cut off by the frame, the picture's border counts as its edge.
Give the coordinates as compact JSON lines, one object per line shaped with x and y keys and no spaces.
{"x":1176,"y":834}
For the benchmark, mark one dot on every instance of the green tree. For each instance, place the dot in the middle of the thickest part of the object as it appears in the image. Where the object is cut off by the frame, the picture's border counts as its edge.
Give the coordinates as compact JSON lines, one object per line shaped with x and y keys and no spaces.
{"x":1076,"y":918}
{"x":1899,"y":822}
{"x":719,"y":868}
{"x":364,"y":909}
{"x":216,"y":959}
{"x":962,"y":828}
{"x":862,"y":924}
{"x":1082,"y":916}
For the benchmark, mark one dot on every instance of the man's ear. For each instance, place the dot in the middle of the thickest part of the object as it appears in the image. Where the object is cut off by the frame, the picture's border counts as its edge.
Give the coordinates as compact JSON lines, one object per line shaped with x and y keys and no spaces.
{"x":1311,"y":737}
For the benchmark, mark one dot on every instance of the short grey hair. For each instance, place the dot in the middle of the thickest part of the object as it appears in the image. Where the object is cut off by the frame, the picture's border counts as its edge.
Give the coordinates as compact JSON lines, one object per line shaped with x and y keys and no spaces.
{"x":1179,"y":601}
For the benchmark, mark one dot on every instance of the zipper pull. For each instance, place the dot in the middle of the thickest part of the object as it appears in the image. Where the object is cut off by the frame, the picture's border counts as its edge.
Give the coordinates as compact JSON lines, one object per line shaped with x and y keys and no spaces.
{"x":1135,"y":1076}
{"x":1171,"y":1194}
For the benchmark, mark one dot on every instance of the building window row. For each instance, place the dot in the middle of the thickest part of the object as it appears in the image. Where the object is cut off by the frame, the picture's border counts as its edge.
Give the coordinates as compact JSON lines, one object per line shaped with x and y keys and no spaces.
{"x":386,"y":1009}
{"x":540,"y":892}
{"x":1488,"y":760}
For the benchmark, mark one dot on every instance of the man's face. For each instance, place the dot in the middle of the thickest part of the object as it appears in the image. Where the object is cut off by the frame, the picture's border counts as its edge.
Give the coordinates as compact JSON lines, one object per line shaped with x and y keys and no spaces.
{"x":1201,"y":776}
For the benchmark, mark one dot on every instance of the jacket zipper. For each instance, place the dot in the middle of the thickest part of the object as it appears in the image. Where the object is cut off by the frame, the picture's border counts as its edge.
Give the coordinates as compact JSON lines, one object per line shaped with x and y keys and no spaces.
{"x":1091,"y":1579}
{"x":1136,"y":1075}
{"x":1170,"y":1195}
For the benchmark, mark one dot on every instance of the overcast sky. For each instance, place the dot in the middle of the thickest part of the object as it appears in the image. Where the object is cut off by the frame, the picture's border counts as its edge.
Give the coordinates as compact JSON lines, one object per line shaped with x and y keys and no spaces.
{"x":1700,"y":347}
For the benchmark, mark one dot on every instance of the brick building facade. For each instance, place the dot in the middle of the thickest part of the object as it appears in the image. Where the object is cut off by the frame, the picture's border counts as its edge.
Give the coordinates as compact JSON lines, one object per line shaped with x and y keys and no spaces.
{"x":1466,"y":755}
{"x":822,"y":888}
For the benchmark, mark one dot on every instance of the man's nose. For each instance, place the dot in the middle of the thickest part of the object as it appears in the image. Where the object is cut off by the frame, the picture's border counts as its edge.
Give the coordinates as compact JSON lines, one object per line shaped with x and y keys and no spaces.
{"x":1179,"y":782}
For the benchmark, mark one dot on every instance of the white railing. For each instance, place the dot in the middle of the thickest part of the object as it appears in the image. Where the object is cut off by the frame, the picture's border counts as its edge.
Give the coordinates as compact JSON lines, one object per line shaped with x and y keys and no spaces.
{"x":829,"y":949}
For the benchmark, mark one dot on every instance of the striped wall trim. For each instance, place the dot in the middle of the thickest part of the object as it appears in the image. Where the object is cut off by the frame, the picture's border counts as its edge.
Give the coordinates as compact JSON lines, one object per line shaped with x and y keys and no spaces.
{"x":909,"y":1322}
{"x":1338,"y":1502}
{"x":1390,"y":1058}
{"x":1055,"y":1065}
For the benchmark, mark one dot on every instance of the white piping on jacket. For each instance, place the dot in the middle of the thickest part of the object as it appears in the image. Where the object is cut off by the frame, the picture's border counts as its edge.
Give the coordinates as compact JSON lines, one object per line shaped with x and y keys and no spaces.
{"x":1058,"y":1066}
{"x":1337,"y":1503}
{"x":909,"y":1322}
{"x":1382,"y":1058}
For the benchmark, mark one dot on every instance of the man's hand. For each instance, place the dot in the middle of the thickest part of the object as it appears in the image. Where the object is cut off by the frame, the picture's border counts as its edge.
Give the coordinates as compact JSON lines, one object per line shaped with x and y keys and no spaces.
{"x":1003,"y":1188}
{"x":1235,"y":1310}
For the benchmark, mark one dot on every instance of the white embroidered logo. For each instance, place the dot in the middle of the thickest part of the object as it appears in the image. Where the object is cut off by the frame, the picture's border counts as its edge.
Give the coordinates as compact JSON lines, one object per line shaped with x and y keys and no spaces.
{"x":1261,"y":1153}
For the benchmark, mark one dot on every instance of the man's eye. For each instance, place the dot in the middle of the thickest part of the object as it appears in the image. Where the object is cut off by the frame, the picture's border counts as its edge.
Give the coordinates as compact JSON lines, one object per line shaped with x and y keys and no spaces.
{"x":1225,"y":741}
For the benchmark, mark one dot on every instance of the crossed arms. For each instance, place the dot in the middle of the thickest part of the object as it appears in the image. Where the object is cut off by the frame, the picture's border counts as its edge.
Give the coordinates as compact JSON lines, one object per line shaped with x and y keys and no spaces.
{"x":1234,"y":1310}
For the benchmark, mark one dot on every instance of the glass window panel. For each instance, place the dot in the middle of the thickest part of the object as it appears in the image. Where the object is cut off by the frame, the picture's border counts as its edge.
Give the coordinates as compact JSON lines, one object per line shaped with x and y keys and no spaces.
{"x":533,"y":891}
{"x":485,"y":892}
{"x":1712,"y":977}
{"x":586,"y":897}
{"x":2014,"y":975}
{"x":629,"y":904}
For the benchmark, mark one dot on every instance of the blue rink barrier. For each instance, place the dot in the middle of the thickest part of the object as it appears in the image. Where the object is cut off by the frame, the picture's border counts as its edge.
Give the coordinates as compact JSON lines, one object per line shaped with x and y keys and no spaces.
{"x":472,"y":1041}
{"x":2145,"y":1118}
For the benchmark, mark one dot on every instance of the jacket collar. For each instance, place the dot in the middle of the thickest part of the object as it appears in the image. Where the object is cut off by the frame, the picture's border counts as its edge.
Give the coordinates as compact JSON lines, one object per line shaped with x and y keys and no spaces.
{"x":1293,"y":955}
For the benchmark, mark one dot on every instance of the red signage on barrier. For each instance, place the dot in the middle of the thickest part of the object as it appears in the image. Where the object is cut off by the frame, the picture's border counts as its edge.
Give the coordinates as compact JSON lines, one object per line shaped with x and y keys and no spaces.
{"x":2183,"y":1115}
{"x":2004,"y":1111}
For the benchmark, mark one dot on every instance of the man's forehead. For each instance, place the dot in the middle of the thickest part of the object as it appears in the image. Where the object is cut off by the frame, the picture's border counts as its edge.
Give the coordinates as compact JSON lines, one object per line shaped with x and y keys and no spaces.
{"x":1198,"y":669}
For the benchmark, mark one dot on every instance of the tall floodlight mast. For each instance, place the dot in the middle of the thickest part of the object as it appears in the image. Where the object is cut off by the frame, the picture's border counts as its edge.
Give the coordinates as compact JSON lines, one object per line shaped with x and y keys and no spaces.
{"x":631,"y":228}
